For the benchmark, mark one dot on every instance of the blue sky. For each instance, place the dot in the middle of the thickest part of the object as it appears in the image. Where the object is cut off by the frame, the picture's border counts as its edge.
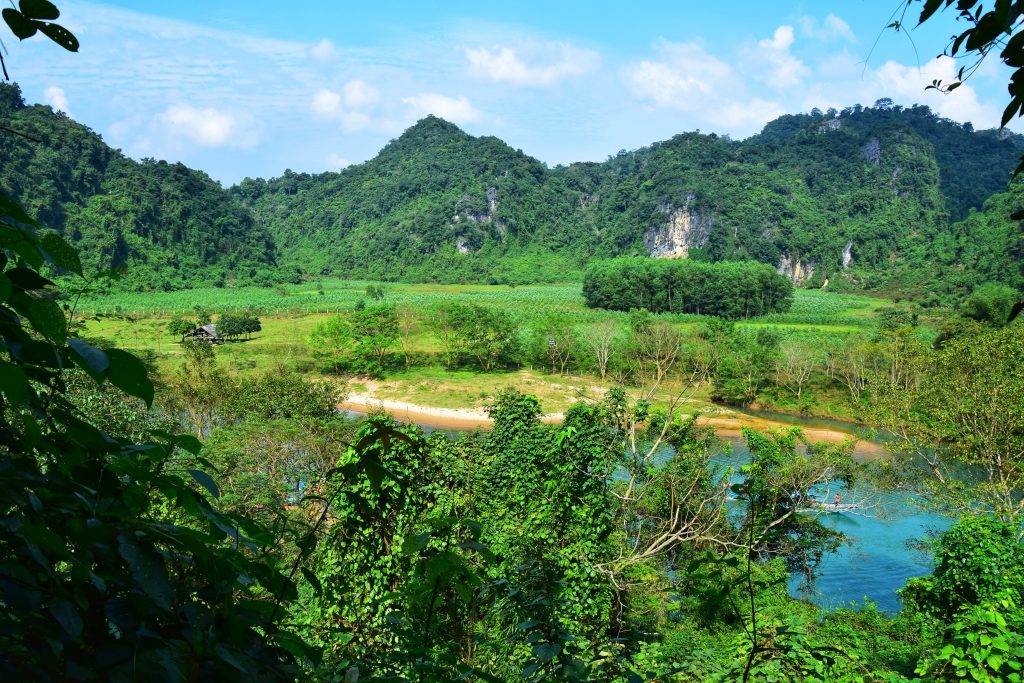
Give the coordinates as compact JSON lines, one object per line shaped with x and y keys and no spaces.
{"x":250,"y":88}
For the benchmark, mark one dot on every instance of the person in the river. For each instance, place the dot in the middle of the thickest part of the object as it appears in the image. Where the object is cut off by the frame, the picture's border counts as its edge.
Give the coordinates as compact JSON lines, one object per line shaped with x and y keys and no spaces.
{"x":837,"y":500}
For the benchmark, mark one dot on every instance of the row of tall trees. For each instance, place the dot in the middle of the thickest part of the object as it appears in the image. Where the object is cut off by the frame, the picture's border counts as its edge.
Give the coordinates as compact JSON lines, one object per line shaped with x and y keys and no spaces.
{"x":729,"y":289}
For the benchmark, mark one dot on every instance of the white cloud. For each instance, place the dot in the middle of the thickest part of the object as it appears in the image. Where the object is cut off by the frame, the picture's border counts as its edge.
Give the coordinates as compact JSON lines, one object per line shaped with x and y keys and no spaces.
{"x":772,"y":62}
{"x":326,"y":104}
{"x":324,"y":51}
{"x":749,"y":115}
{"x":455,"y":110}
{"x":833,"y":28}
{"x":844,"y":81}
{"x":56,"y":98}
{"x":504,"y":64}
{"x":685,"y":79}
{"x":207,"y":127}
{"x":689,"y":79}
{"x":335,"y":161}
{"x":356,"y":120}
{"x":359,"y":94}
{"x":352,"y":107}
{"x":908,"y":83}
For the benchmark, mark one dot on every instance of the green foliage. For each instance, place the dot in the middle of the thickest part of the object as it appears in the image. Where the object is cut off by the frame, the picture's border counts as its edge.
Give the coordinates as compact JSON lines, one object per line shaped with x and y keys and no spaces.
{"x":359,"y":343}
{"x":179,"y":327}
{"x":780,"y":482}
{"x":168,"y":225}
{"x":231,"y":326}
{"x":991,"y":303}
{"x":281,"y":395}
{"x":975,"y":560}
{"x":470,"y":331}
{"x":439,"y":205}
{"x":985,"y":643}
{"x":104,"y":545}
{"x":728,"y":290}
{"x":743,"y":362}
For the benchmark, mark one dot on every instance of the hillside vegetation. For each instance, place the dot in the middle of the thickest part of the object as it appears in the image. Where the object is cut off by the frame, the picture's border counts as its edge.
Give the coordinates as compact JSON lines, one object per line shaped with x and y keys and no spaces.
{"x":867,"y":198}
{"x":868,"y":194}
{"x":165,"y":225}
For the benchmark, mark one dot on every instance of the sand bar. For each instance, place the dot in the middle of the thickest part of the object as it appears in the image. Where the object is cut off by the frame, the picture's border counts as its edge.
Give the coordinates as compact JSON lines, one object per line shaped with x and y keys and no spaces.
{"x":467,"y":418}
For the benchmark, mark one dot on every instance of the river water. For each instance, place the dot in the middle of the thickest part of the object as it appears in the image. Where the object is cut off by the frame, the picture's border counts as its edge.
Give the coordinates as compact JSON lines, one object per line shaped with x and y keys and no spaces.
{"x":882,"y":552}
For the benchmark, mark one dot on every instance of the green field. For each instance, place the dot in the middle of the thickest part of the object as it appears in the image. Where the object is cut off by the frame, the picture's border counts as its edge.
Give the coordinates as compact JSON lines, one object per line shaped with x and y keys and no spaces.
{"x":289,"y":314}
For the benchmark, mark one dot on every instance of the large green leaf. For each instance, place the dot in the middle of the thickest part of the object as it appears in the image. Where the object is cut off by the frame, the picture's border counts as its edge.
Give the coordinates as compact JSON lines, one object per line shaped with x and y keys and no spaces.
{"x":39,"y":9}
{"x":89,"y":358}
{"x":47,"y":319}
{"x":128,"y":374}
{"x":207,"y":482}
{"x":147,"y":569}
{"x":62,"y":254}
{"x":9,"y":207}
{"x":20,"y":25}
{"x":13,"y":383}
{"x":61,"y":36}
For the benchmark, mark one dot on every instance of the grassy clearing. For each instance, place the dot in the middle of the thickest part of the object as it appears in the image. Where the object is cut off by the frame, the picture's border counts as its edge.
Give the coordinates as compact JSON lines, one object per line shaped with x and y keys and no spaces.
{"x":139,"y":322}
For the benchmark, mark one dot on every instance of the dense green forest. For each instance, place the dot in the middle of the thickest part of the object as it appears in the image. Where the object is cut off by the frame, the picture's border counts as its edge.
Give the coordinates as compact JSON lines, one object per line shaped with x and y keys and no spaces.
{"x":728,"y":289}
{"x":157,"y":225}
{"x":864,"y":198}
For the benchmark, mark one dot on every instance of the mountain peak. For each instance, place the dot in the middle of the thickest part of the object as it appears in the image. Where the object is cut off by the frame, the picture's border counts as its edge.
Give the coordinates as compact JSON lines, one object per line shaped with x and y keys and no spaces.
{"x":433,"y":128}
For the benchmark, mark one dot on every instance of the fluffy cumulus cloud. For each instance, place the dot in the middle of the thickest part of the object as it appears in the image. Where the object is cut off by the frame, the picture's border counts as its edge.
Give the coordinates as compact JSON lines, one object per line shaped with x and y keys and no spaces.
{"x":686,"y":77}
{"x":689,"y":79}
{"x":772,"y":62}
{"x":908,"y":83}
{"x":359,"y":94}
{"x":56,"y":98}
{"x":845,"y":81}
{"x":551,"y":63}
{"x":326,"y":104}
{"x":832,"y":28}
{"x":324,"y":51}
{"x":337,"y":162}
{"x":207,"y":127}
{"x":352,"y":107}
{"x":738,"y":92}
{"x":456,"y":110}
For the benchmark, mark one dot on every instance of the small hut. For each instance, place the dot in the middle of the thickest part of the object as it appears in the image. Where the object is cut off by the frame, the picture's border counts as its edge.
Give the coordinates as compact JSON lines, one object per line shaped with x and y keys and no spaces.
{"x":205,"y":333}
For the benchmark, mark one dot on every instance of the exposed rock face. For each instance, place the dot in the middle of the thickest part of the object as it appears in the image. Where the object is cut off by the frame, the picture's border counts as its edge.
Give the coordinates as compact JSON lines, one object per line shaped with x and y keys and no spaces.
{"x":470,"y":210}
{"x":492,"y":201}
{"x":830,"y":125}
{"x":848,"y":254}
{"x":684,"y":230}
{"x":795,"y":269}
{"x":873,"y":151}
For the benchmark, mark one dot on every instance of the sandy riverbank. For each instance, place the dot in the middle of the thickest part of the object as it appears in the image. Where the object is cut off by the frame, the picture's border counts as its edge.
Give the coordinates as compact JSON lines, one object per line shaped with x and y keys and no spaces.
{"x":465,"y":418}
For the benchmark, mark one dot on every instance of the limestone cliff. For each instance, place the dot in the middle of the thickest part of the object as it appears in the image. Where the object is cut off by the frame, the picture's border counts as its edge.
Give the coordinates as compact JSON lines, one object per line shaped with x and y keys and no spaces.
{"x":795,"y":268}
{"x":472,"y":215}
{"x":684,"y":229}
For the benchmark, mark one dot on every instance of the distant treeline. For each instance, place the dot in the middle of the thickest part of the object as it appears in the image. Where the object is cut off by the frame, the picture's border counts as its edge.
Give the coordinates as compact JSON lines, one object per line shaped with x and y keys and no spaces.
{"x":727,"y":289}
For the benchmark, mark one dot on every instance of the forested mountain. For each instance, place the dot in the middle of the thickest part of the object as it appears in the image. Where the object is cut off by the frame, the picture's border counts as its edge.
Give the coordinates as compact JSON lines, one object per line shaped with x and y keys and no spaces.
{"x":868,"y":197}
{"x":165,"y":225}
{"x":869,"y":193}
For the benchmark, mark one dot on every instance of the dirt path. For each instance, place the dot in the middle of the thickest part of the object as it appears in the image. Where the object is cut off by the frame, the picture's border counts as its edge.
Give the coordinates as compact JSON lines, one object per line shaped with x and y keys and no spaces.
{"x":465,"y":418}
